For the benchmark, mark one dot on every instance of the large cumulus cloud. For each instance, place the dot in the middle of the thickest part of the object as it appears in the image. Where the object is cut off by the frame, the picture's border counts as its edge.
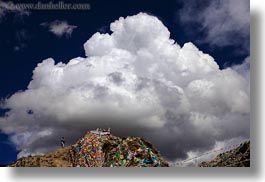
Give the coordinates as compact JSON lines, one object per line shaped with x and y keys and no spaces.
{"x":137,"y":81}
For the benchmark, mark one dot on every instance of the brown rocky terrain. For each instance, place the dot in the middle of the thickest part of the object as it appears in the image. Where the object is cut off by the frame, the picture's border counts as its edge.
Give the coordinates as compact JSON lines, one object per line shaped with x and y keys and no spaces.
{"x":237,"y":157}
{"x":57,"y":158}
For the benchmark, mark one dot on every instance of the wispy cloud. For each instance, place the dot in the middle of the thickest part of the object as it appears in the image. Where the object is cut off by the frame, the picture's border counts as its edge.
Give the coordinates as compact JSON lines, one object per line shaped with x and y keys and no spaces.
{"x":222,"y":22}
{"x":59,"y":28}
{"x":9,"y":7}
{"x":19,"y":46}
{"x":21,"y":38}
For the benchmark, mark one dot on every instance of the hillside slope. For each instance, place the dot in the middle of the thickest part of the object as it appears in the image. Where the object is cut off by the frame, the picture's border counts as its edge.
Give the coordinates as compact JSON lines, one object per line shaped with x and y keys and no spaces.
{"x":237,"y":157}
{"x":99,"y":149}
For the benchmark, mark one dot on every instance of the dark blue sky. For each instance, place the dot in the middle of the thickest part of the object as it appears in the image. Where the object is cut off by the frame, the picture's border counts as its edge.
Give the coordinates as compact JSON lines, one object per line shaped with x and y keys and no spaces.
{"x":36,"y":43}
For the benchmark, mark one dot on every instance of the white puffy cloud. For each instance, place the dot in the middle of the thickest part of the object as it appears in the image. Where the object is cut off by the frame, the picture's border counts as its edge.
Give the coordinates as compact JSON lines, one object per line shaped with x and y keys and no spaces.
{"x":60,"y":28}
{"x":244,"y":68}
{"x":223,"y":22}
{"x":137,"y":81}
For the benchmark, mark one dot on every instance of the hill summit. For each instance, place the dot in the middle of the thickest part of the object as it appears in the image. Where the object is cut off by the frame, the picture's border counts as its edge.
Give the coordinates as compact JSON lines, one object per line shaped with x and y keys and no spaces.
{"x":99,"y":148}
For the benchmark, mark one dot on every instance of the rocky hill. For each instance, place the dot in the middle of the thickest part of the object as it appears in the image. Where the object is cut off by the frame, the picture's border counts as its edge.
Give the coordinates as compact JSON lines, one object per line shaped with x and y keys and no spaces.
{"x":237,"y":157}
{"x":99,"y":149}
